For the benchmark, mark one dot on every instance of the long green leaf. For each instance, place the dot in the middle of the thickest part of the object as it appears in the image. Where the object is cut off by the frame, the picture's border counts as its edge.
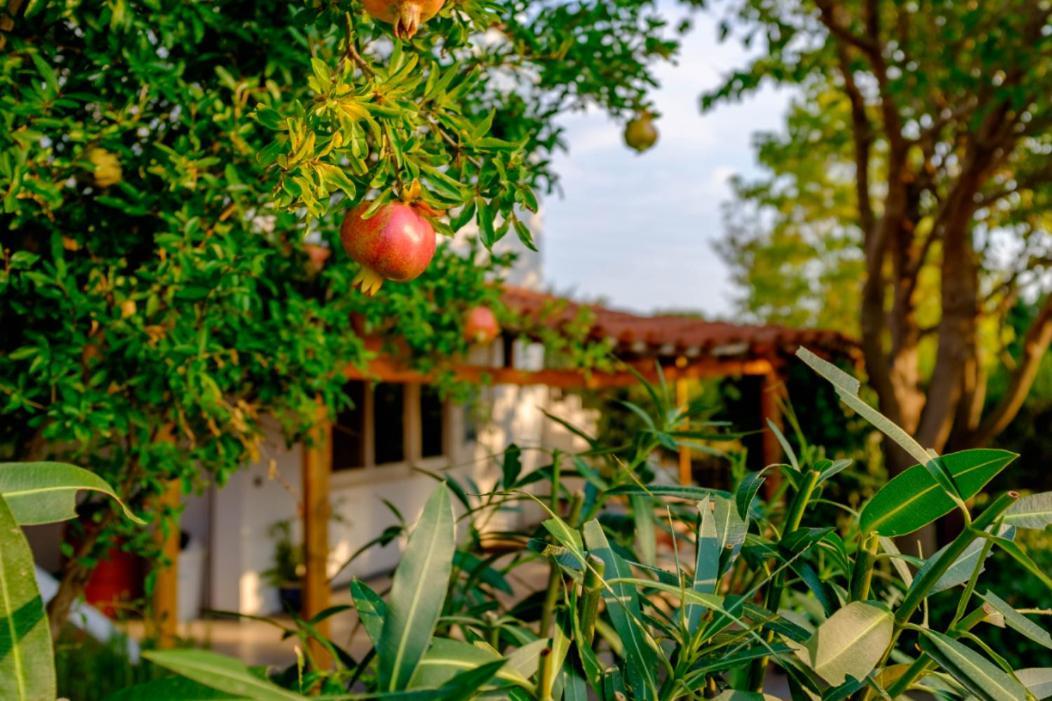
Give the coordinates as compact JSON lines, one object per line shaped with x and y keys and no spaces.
{"x":1032,"y":511}
{"x":447,"y":658}
{"x":913,"y":499}
{"x":417,"y":592}
{"x":27,"y":670}
{"x":1037,"y":680}
{"x":707,"y":560}
{"x":847,"y":388}
{"x":849,"y":643}
{"x":962,"y":568}
{"x":622,"y":603}
{"x":371,"y":609}
{"x":220,"y":672}
{"x":1017,"y":621}
{"x":735,"y":695}
{"x":46,"y":492}
{"x":981,"y":676}
{"x":172,"y":689}
{"x":667,"y":490}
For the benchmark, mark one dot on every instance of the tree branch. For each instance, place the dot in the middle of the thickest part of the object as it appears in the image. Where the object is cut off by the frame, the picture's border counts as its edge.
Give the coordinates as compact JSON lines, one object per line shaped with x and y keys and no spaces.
{"x":1035,"y":345}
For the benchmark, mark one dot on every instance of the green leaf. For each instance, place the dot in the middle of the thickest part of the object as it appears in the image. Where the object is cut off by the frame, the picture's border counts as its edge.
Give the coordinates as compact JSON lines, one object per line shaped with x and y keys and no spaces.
{"x":524,"y":234}
{"x":622,"y":605}
{"x":220,"y":672}
{"x":1037,"y":680}
{"x":466,"y":685}
{"x":27,"y":670}
{"x":667,"y":490}
{"x":512,"y":466}
{"x":735,"y":695}
{"x":748,"y":487}
{"x":784,"y":443}
{"x":646,"y":540}
{"x":707,"y":561}
{"x":981,"y":676}
{"x":1017,"y":621}
{"x":913,"y":499}
{"x":172,"y":689}
{"x":1020,"y":556}
{"x":446,"y":658}
{"x":46,"y":492}
{"x":962,"y":568}
{"x":849,"y":643}
{"x":371,"y":609}
{"x":417,"y":592}
{"x":1032,"y":511}
{"x":847,"y":388}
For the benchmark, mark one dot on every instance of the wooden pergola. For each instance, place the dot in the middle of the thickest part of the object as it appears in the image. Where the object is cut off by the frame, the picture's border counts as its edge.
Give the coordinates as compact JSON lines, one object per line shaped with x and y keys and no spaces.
{"x":685,"y":348}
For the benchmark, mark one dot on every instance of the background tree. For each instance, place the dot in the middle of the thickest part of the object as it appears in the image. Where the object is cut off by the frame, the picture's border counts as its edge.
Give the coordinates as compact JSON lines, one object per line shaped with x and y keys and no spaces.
{"x":163,"y":162}
{"x":915,"y":156}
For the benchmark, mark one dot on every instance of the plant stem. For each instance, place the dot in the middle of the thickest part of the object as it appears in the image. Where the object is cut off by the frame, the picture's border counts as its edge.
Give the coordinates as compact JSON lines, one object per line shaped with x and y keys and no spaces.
{"x":862,"y":573}
{"x":593,"y":589}
{"x":924,"y":583}
{"x":773,"y":597}
{"x":923,"y":662}
{"x":921,"y":586}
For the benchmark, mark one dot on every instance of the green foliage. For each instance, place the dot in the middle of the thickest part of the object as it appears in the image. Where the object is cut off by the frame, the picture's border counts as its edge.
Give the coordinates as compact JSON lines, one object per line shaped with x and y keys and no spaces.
{"x":837,"y":610}
{"x":163,"y":164}
{"x":27,"y":672}
{"x":42,"y":494}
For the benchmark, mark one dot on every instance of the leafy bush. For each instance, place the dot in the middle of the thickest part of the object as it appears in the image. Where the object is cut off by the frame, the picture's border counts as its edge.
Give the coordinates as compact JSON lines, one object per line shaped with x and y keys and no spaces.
{"x":748,"y":587}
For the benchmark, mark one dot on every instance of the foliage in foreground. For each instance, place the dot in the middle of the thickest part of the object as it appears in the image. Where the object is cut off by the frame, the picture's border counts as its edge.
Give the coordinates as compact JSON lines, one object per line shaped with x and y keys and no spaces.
{"x":748,"y":586}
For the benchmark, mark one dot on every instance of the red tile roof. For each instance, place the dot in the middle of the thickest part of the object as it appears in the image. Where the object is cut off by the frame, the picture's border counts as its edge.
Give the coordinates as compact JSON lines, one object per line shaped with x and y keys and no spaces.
{"x":672,"y":335}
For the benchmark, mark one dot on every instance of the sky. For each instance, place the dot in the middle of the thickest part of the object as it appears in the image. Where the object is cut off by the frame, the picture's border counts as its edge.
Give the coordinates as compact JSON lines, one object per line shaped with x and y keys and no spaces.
{"x":637,"y":230}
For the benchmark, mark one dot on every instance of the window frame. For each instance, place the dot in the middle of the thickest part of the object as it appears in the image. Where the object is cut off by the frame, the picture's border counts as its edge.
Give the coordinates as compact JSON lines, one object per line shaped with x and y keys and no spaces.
{"x":412,"y":441}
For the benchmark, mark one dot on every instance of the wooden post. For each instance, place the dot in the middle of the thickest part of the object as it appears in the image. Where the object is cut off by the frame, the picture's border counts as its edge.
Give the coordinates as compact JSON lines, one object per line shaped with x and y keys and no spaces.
{"x":165,"y":600}
{"x":686,"y":475}
{"x":316,"y":469}
{"x":770,"y":410}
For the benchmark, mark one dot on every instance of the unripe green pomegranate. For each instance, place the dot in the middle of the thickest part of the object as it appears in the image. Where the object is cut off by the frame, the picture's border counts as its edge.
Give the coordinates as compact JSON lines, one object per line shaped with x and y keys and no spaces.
{"x":640,"y":133}
{"x":405,"y":15}
{"x":395,"y":243}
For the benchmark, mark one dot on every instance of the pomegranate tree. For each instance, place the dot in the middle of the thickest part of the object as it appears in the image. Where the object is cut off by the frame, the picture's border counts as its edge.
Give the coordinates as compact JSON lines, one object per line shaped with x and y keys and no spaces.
{"x":395,"y":243}
{"x":405,"y":15}
{"x":481,"y":325}
{"x":640,"y":133}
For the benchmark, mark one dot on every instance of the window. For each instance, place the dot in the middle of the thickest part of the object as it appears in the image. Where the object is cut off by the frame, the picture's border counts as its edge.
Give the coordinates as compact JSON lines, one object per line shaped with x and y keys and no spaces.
{"x":348,"y":431}
{"x":389,"y":422}
{"x":432,"y":423}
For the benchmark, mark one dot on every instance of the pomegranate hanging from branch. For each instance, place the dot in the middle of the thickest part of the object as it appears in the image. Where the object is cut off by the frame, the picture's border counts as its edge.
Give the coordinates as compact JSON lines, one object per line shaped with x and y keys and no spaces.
{"x":396,"y":243}
{"x":405,"y":15}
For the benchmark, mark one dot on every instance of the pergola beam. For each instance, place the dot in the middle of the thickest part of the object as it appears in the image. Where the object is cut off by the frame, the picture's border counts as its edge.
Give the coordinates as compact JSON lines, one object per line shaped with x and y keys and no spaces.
{"x":386,"y":369}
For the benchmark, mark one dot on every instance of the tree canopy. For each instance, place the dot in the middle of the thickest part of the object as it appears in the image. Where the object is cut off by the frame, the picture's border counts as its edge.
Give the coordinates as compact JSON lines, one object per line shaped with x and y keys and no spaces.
{"x":165,"y":166}
{"x":908,"y":196}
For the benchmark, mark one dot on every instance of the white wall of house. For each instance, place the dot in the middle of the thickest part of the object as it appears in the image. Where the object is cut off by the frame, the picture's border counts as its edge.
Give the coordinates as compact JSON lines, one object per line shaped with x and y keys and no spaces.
{"x":243,"y":510}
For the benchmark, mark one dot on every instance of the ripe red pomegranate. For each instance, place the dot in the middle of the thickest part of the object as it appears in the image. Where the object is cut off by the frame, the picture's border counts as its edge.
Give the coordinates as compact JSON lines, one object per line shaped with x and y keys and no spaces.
{"x":396,"y":243}
{"x":405,"y":15}
{"x":481,"y":325}
{"x":640,"y":133}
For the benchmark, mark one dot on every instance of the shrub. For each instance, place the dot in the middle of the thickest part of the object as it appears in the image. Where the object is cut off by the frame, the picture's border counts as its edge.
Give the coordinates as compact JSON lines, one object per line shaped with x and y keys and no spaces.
{"x":749,"y":587}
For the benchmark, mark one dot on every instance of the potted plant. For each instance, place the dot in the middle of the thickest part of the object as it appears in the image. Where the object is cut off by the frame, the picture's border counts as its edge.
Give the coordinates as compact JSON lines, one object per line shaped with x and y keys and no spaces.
{"x":286,"y":572}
